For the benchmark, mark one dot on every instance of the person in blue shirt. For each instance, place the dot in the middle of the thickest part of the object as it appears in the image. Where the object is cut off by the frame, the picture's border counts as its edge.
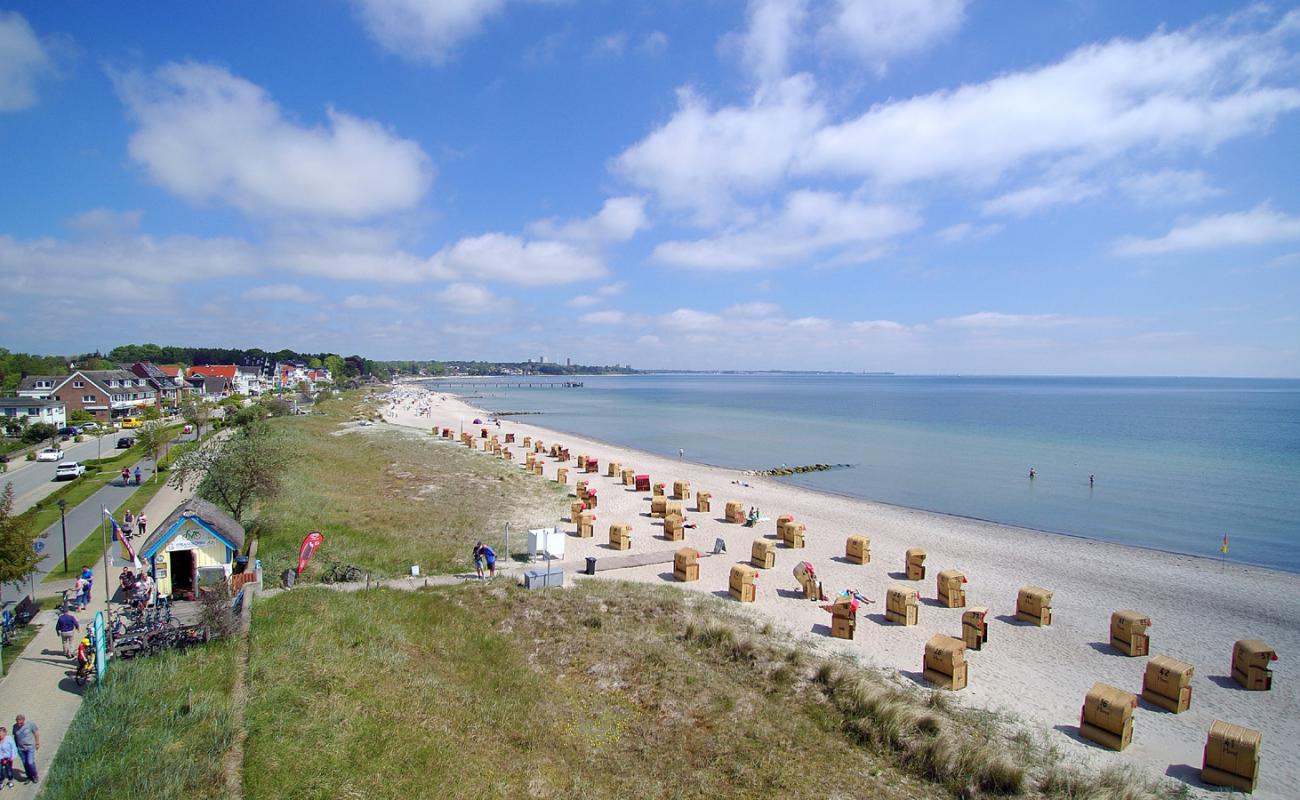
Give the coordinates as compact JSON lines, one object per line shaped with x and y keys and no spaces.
{"x":67,"y":626}
{"x":490,"y":556}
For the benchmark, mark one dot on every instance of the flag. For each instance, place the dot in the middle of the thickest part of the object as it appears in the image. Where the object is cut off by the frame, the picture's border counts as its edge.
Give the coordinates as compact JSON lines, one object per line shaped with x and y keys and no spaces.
{"x":121,"y":537}
{"x":1223,"y":548}
{"x":309,"y":545}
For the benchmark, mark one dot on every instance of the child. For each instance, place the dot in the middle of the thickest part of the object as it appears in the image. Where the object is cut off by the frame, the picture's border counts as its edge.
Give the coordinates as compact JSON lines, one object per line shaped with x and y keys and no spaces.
{"x":8,"y":752}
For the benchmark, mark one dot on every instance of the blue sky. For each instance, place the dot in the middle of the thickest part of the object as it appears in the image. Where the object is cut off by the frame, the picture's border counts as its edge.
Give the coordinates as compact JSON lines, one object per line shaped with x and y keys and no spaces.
{"x":904,"y":185}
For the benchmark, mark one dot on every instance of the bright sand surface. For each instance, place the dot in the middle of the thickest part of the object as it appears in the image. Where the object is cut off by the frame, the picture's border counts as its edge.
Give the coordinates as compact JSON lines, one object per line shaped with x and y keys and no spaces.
{"x":1037,"y":675}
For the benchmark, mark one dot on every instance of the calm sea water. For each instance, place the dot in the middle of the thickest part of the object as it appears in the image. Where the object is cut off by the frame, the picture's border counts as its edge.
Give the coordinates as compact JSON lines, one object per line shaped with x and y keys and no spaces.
{"x":1178,"y":462}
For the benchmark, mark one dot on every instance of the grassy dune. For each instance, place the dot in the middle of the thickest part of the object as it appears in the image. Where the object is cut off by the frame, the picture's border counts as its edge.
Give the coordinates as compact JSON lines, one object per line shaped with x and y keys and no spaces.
{"x":386,"y":499}
{"x":157,"y":727}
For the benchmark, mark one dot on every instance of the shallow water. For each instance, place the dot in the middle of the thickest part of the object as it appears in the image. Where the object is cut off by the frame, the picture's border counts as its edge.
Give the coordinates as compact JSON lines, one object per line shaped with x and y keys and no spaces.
{"x":1178,"y":462}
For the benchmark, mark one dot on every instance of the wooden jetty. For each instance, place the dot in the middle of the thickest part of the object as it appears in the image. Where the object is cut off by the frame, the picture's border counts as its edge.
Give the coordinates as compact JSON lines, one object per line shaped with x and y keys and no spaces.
{"x":509,"y":384}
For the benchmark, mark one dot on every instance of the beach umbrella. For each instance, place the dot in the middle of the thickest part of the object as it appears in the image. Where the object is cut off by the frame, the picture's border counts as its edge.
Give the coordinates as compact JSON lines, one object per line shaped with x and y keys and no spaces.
{"x":478,"y":421}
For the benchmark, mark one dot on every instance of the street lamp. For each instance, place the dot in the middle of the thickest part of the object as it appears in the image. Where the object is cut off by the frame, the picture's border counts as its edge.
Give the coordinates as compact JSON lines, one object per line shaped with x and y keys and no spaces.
{"x":63,"y":523}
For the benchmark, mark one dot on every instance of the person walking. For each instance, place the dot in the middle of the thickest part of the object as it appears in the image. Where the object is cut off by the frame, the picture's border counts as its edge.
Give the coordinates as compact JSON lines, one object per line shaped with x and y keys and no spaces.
{"x":67,"y":626}
{"x":27,"y":737}
{"x":8,"y":752}
{"x":128,"y":521}
{"x":137,"y":475}
{"x":87,"y":582}
{"x":79,"y":592}
{"x":126,"y":476}
{"x":478,"y":559}
{"x":141,"y":523}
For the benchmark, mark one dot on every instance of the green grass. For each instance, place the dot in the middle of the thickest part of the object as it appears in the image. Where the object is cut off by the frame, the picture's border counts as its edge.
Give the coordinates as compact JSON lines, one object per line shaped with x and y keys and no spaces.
{"x":489,"y":691}
{"x":22,"y":637}
{"x":386,"y":499}
{"x":157,"y":727}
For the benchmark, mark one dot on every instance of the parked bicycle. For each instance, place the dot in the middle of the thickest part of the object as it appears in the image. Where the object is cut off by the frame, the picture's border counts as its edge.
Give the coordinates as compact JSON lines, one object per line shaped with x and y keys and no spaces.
{"x":338,"y":572}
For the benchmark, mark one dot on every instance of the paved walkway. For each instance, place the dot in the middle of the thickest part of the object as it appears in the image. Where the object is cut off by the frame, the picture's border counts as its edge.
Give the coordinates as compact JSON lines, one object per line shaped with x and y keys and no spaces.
{"x":40,"y":683}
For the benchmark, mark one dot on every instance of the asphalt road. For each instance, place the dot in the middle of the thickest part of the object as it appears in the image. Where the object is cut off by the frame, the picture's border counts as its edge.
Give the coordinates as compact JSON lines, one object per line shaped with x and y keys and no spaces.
{"x":33,"y":480}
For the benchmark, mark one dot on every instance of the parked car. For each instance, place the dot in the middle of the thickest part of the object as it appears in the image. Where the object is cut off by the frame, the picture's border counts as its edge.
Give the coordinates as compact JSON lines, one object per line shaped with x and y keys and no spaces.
{"x":125,"y":442}
{"x":89,"y":426}
{"x":188,"y":429}
{"x":132,"y":422}
{"x":69,"y":470}
{"x":71,"y":430}
{"x":50,"y":454}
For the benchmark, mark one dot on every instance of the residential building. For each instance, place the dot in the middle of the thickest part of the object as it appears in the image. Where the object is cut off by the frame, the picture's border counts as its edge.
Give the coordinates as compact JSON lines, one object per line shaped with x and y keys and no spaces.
{"x":31,"y":410}
{"x":168,"y":386}
{"x":108,"y":394}
{"x":212,"y":387}
{"x":248,"y":380}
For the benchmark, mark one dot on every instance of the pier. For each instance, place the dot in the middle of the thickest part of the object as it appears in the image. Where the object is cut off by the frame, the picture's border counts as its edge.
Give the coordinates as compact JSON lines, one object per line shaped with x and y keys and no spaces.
{"x":509,"y":384}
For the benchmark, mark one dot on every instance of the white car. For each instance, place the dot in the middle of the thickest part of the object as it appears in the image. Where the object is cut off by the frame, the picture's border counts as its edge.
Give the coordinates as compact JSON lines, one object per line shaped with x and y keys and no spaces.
{"x":69,"y":470}
{"x":50,"y":454}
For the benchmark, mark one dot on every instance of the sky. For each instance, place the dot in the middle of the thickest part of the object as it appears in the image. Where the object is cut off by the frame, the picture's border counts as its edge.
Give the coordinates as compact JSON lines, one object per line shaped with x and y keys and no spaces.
{"x":917,"y":186}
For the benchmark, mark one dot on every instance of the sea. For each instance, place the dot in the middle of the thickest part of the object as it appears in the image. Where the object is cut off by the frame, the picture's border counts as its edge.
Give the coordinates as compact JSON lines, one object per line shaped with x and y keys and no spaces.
{"x":1176,"y":464}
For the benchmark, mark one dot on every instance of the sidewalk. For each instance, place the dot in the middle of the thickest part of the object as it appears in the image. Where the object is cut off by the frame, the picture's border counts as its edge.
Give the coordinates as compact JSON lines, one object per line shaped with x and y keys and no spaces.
{"x":40,"y":682}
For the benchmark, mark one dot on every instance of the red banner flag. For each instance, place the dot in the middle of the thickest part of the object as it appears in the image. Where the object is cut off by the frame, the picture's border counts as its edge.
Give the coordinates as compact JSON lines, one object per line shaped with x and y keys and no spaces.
{"x":309,"y":545}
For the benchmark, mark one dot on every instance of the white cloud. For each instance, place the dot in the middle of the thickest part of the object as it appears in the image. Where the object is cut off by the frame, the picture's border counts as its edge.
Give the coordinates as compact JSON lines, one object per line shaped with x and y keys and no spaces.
{"x":1261,"y":225}
{"x":500,"y":257}
{"x":875,"y":325}
{"x":985,"y":320}
{"x":701,"y":158}
{"x":126,"y":267}
{"x":755,"y":309}
{"x":426,"y":30}
{"x":654,"y":43}
{"x":23,"y":59}
{"x":603,"y":318}
{"x":374,"y":302}
{"x":1185,"y":89}
{"x":601,"y":295}
{"x":344,"y":253}
{"x":612,"y":45}
{"x":1169,"y":187}
{"x":205,"y":134}
{"x":691,"y":321}
{"x":105,"y":222}
{"x":468,"y":298}
{"x":774,"y":26}
{"x":810,"y":225}
{"x":281,"y":292}
{"x":968,"y":232}
{"x":1034,"y":199}
{"x":619,"y":219}
{"x":881,"y":30}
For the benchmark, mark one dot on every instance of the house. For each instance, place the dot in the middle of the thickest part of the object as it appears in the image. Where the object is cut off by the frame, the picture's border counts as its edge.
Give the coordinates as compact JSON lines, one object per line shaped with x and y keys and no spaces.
{"x":195,"y":546}
{"x":107,"y":394}
{"x":248,"y":380}
{"x":31,"y":410}
{"x":167,"y":386}
{"x":210,"y":386}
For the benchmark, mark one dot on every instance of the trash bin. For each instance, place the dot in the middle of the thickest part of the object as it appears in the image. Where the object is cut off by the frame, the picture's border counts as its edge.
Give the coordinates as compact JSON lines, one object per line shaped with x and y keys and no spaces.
{"x":591,"y":565}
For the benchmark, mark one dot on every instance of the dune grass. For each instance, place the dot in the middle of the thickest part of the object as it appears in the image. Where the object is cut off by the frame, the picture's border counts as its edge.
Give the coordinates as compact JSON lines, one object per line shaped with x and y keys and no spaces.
{"x":489,"y":691}
{"x":156,"y":727}
{"x":386,"y":499}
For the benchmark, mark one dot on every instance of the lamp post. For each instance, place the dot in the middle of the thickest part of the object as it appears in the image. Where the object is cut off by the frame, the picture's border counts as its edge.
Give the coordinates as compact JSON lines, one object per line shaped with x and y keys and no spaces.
{"x":63,"y":523}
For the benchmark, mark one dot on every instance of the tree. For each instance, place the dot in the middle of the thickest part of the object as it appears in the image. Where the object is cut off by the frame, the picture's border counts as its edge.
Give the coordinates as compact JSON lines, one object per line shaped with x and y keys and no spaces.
{"x":197,"y":413}
{"x":152,"y":437}
{"x":17,"y":556}
{"x":152,"y":413}
{"x":336,"y":367}
{"x":80,"y":415}
{"x":314,"y":363}
{"x":236,"y":473}
{"x":39,"y":431}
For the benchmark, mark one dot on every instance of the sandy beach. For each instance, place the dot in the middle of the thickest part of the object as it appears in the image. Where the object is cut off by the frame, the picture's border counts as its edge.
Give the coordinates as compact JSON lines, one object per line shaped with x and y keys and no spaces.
{"x":1038,"y":676}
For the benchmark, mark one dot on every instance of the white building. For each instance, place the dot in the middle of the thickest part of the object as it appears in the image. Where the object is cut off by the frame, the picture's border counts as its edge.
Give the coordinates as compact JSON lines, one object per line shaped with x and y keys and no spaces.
{"x":33,"y":410}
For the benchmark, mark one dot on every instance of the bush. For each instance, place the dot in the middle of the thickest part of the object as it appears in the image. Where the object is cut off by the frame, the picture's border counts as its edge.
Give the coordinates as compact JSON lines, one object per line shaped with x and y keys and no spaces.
{"x":78,"y":438}
{"x":39,"y":432}
{"x":31,"y":456}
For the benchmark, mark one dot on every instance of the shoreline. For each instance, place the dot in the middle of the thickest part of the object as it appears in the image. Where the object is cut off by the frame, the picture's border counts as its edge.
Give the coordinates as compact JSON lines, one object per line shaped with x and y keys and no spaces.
{"x":483,"y":412}
{"x":1037,"y":675}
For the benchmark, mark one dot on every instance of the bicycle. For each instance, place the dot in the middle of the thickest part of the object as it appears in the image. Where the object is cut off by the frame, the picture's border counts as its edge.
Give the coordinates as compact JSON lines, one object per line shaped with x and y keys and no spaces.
{"x":339,"y":572}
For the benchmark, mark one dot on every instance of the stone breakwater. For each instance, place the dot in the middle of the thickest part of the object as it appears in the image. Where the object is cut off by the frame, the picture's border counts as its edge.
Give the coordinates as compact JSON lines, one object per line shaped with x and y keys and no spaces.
{"x":776,"y":472}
